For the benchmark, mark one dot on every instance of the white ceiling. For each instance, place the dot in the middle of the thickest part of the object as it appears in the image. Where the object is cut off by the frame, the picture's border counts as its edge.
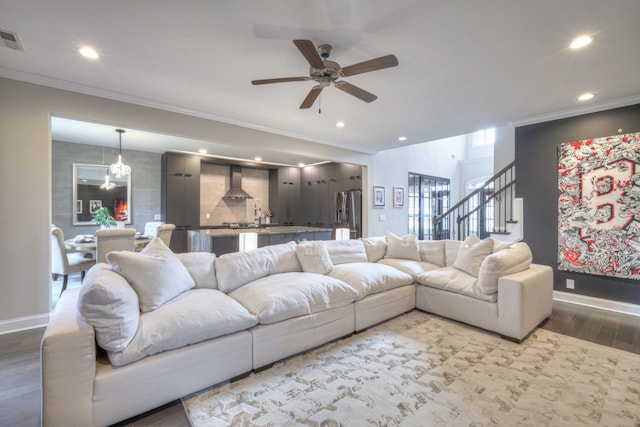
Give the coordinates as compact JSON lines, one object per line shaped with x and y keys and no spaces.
{"x":463,"y":65}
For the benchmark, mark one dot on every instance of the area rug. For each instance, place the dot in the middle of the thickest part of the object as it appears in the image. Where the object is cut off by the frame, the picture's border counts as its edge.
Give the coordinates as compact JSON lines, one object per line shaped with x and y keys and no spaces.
{"x":423,"y":370}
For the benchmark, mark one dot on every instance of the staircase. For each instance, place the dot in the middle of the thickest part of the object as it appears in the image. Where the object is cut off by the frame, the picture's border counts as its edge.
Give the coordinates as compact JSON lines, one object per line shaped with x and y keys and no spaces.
{"x":489,"y":211}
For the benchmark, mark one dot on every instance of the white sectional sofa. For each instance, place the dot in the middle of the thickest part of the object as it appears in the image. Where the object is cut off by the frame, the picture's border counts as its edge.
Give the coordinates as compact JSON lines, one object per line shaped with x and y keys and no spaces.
{"x":153,"y":326}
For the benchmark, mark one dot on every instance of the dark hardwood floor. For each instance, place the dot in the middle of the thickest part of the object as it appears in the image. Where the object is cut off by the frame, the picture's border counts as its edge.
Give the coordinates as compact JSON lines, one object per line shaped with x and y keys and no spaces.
{"x":20,"y":363}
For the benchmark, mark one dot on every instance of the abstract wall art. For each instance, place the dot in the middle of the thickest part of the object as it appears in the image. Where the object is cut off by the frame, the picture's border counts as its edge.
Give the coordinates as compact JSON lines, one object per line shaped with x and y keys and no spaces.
{"x":599,"y":206}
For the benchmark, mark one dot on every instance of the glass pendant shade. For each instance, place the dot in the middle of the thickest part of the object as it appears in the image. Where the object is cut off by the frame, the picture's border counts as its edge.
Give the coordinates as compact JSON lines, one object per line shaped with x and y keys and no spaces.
{"x":119,"y":169}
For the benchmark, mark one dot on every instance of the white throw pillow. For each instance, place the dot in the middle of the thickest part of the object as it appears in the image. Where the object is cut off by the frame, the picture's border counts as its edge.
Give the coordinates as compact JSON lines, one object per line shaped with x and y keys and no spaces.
{"x":471,"y":254}
{"x":314,"y":257}
{"x":517,"y":257}
{"x":405,"y":247}
{"x":155,"y":273}
{"x":110,"y":305}
{"x":375,"y":247}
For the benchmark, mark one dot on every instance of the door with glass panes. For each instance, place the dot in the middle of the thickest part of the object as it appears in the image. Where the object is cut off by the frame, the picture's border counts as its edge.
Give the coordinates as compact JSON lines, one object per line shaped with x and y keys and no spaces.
{"x":428,"y":197}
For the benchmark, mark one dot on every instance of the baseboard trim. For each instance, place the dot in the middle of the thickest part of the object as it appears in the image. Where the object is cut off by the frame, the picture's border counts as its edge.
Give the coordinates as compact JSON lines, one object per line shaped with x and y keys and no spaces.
{"x":603,"y":304}
{"x":23,"y":323}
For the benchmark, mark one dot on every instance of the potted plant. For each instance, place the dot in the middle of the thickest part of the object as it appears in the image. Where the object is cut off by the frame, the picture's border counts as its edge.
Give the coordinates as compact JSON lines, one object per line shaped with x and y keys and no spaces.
{"x":103,"y":218}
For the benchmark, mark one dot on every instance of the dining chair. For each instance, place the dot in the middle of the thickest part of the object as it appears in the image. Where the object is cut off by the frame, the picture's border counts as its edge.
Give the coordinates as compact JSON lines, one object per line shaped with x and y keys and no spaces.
{"x":114,"y":239}
{"x":165,"y":231}
{"x":63,"y":263}
{"x":151,"y":228}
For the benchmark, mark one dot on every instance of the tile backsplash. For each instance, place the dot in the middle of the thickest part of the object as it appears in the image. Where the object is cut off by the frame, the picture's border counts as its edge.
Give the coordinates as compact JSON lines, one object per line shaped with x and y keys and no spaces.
{"x":214,"y":183}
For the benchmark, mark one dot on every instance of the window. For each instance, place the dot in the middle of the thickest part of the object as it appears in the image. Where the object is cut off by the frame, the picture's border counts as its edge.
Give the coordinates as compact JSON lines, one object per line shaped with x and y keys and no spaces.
{"x":483,"y":138}
{"x":428,"y":196}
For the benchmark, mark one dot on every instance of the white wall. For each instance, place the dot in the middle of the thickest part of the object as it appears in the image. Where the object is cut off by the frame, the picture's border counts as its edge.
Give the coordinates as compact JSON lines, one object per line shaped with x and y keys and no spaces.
{"x":504,"y":149}
{"x":390,"y":168}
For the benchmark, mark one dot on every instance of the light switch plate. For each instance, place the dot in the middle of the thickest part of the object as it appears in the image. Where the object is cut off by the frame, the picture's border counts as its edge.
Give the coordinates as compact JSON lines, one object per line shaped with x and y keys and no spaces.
{"x":157,"y":217}
{"x":382,"y":218}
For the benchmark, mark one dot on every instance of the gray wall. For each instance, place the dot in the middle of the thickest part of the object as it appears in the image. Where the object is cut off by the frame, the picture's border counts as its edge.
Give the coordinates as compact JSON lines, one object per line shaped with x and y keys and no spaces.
{"x":145,"y":183}
{"x":536,"y":166}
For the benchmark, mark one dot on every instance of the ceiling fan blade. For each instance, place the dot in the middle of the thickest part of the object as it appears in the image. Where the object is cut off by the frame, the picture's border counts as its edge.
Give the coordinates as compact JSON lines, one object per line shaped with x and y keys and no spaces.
{"x":310,"y":52}
{"x":356,"y":91}
{"x":311,"y":97}
{"x":370,"y":65}
{"x":281,"y":80}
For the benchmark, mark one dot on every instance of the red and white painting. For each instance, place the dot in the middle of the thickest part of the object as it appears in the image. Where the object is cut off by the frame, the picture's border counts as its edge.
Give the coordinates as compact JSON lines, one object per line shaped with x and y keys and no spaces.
{"x":599,"y":206}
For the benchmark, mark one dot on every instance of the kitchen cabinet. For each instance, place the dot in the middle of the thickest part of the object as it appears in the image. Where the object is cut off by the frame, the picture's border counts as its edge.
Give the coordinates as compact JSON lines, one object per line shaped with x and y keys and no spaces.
{"x":180,"y":196}
{"x":318,"y":187}
{"x":284,"y":195}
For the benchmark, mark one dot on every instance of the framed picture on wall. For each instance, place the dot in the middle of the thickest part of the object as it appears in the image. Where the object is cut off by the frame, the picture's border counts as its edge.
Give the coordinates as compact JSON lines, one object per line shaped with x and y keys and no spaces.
{"x":378,"y":196}
{"x":94,"y":205}
{"x":78,"y":206}
{"x":398,"y":197}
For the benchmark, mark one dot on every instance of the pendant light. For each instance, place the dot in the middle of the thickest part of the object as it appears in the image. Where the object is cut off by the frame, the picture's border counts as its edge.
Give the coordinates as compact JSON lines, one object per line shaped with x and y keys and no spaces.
{"x":120,"y":169}
{"x":107,"y":185}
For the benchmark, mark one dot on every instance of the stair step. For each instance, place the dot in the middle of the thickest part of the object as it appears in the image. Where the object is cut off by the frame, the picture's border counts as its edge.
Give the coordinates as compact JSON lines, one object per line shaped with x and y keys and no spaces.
{"x":501,"y":232}
{"x":511,"y":221}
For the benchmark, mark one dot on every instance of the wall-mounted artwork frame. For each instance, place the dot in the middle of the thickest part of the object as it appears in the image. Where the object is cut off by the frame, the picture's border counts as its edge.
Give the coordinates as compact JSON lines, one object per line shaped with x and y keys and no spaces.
{"x":94,"y":205}
{"x":398,"y":197}
{"x":378,"y":196}
{"x":598,"y":201}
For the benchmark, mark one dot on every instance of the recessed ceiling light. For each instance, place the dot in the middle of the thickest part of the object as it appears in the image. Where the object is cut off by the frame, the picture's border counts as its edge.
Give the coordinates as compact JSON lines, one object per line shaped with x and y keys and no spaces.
{"x":580,"y":42}
{"x":202,"y":151}
{"x":257,"y":159}
{"x":300,"y":165}
{"x":340,"y":124}
{"x":88,"y":52}
{"x":402,"y":138}
{"x":585,"y":97}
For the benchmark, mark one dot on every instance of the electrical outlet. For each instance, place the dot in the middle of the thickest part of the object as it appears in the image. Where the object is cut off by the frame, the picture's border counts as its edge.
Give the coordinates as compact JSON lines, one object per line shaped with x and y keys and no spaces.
{"x":157,"y":217}
{"x":382,"y":218}
{"x":571,"y":284}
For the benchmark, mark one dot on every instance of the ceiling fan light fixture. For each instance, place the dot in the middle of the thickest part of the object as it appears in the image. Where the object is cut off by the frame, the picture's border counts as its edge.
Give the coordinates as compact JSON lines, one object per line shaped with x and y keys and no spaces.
{"x":119,"y":169}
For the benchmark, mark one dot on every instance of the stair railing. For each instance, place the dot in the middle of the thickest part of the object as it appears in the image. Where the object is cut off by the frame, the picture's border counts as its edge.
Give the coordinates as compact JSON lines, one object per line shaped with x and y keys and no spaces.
{"x":486,"y":210}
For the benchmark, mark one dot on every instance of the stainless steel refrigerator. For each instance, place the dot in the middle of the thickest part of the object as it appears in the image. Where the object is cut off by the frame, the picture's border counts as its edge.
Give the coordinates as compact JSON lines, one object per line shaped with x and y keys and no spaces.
{"x":348,"y":206}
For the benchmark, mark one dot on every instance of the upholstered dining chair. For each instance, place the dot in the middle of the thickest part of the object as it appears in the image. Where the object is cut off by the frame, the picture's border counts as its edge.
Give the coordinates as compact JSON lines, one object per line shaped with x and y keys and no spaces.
{"x":151,"y":228}
{"x":165,"y":231}
{"x":63,"y":263}
{"x":118,"y":239}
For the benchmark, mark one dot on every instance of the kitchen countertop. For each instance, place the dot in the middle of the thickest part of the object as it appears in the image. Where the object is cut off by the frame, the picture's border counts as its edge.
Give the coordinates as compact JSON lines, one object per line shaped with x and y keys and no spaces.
{"x":219,"y":232}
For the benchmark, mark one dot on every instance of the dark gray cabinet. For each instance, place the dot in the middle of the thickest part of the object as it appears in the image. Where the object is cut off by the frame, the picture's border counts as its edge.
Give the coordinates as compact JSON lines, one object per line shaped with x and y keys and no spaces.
{"x":180,"y":196}
{"x":284,"y":195}
{"x":318,"y":187}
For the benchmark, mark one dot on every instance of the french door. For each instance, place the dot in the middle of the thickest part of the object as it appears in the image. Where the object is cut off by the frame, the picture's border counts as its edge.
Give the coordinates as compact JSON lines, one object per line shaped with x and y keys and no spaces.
{"x":428,"y":197}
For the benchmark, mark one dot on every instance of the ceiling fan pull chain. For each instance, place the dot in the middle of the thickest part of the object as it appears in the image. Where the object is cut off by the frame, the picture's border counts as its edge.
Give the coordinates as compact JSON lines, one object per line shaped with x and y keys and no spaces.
{"x":320,"y":104}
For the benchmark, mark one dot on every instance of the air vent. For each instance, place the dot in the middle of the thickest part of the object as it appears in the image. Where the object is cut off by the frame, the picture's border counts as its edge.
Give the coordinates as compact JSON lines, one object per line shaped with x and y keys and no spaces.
{"x":10,"y":40}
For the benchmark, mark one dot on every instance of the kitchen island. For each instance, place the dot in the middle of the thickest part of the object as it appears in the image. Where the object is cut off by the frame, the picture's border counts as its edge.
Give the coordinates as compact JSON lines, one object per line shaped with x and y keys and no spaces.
{"x":225,"y":240}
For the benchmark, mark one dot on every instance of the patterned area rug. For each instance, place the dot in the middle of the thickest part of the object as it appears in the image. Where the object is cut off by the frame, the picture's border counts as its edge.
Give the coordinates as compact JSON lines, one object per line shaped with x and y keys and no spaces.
{"x":422,"y":370}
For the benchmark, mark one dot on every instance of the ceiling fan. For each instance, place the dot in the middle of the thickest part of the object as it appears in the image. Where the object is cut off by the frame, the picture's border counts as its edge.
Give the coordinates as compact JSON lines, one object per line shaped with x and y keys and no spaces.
{"x":324,"y":72}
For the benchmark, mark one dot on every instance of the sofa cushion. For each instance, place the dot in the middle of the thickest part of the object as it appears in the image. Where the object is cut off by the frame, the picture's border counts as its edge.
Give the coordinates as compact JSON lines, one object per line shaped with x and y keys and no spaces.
{"x":369,"y":278}
{"x":471,"y":254}
{"x":451,"y":251}
{"x":432,"y":251}
{"x":190,"y":318}
{"x":515,"y":258}
{"x":412,"y":268}
{"x":236,"y":269}
{"x":375,"y":247}
{"x":201,"y":267}
{"x":155,"y":273}
{"x":110,"y":305}
{"x":345,"y":251}
{"x":405,"y":247}
{"x":284,"y":296}
{"x":451,"y":279}
{"x":314,"y":257}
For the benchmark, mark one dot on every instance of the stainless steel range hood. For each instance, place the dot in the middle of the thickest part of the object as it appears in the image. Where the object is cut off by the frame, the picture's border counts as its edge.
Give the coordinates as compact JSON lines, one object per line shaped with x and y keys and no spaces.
{"x":235,"y":191}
